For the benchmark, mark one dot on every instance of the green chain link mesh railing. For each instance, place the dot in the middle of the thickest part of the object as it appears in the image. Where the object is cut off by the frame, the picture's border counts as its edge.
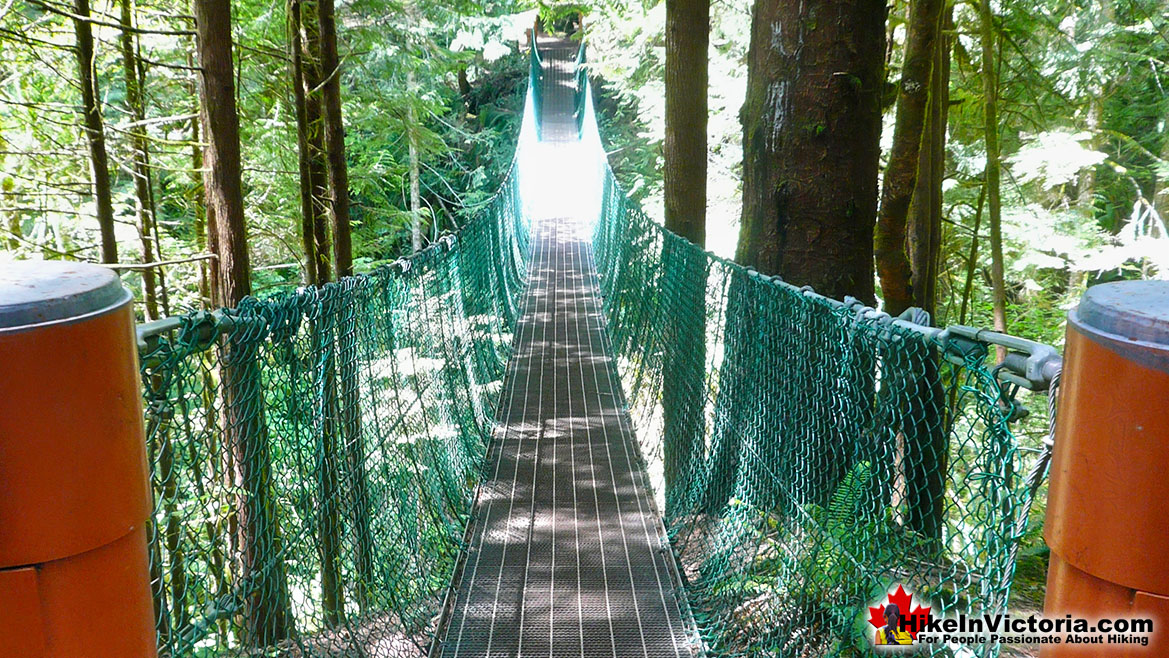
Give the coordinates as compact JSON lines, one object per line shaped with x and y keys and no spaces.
{"x":314,"y":454}
{"x":812,"y":453}
{"x":536,"y":84}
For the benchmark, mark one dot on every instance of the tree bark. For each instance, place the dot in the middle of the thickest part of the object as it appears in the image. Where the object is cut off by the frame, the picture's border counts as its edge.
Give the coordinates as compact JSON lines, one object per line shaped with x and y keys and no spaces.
{"x":349,"y":420}
{"x":925,"y":212}
{"x":927,"y":436}
{"x":304,"y":55}
{"x":993,"y":202}
{"x":811,"y":133}
{"x":198,"y":202}
{"x":222,"y":185}
{"x":326,"y":469}
{"x":335,"y":140}
{"x":95,"y":132}
{"x":687,"y":39}
{"x":684,"y":358}
{"x":268,"y":617}
{"x":307,"y":43}
{"x":144,"y":201}
{"x":897,"y":189}
{"x":307,"y":215}
{"x":684,"y":380}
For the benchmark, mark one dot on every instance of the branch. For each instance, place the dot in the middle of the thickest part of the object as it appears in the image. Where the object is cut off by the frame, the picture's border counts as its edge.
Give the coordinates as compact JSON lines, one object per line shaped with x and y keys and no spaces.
{"x":117,"y":26}
{"x":159,"y":263}
{"x":171,"y":119}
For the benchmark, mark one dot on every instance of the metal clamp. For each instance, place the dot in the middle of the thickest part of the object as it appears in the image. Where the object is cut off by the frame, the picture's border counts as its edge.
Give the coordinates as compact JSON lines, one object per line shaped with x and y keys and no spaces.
{"x":1028,"y":364}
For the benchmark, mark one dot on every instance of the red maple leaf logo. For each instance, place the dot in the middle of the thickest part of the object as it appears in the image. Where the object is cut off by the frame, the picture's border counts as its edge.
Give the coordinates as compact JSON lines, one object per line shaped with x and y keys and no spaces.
{"x":912,"y":622}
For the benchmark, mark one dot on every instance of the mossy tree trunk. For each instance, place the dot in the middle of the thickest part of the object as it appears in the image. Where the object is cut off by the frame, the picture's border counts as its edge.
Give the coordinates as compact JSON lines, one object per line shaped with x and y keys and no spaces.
{"x":990,"y":84}
{"x":909,"y":143}
{"x":334,"y":139}
{"x":304,"y":56}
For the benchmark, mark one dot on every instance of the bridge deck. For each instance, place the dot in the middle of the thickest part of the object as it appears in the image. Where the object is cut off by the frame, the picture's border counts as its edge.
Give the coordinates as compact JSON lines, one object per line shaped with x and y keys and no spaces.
{"x":567,"y":555}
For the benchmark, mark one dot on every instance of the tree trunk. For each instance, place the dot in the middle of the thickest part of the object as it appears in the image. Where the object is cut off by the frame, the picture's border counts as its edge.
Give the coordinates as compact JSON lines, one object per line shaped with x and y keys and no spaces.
{"x":1100,"y":13}
{"x":687,"y":38}
{"x":684,"y":358}
{"x":349,"y":420}
{"x":144,"y":203}
{"x":202,"y":221}
{"x":811,"y":133}
{"x":311,"y":137}
{"x":267,"y":611}
{"x":308,"y":42}
{"x":972,"y":256}
{"x":415,"y":187}
{"x":335,"y":140}
{"x":925,"y":212}
{"x":897,"y":189}
{"x":95,"y":132}
{"x":993,"y":202}
{"x":307,"y":215}
{"x":326,"y":469}
{"x":927,"y":436}
{"x":684,"y":380}
{"x":222,"y":186}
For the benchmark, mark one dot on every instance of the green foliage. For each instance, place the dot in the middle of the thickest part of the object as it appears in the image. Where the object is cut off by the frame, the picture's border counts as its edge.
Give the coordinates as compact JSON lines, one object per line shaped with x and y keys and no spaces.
{"x":562,"y":16}
{"x":465,"y":133}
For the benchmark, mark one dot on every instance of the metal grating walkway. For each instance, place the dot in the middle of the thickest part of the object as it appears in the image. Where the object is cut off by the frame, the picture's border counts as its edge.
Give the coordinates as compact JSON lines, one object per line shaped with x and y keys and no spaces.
{"x":567,"y":555}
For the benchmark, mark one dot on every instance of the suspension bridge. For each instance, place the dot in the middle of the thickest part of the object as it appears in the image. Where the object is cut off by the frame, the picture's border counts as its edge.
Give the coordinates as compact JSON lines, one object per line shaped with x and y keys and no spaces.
{"x":564,"y":431}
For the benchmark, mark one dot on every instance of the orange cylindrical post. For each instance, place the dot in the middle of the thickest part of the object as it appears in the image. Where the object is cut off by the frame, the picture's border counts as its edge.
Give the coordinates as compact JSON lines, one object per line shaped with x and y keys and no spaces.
{"x":1108,"y":501}
{"x":74,"y":485}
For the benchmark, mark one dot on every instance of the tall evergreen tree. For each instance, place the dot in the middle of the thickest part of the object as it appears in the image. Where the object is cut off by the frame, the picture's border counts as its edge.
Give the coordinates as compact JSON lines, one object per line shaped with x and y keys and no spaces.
{"x":140,"y":168}
{"x":990,"y":82}
{"x":305,"y":43}
{"x":334,"y":138}
{"x":267,"y":609}
{"x":811,"y":142}
{"x":222,"y":182}
{"x":94,"y":131}
{"x":901,"y":175}
{"x":924,"y":225}
{"x":684,"y":367}
{"x":684,"y":148}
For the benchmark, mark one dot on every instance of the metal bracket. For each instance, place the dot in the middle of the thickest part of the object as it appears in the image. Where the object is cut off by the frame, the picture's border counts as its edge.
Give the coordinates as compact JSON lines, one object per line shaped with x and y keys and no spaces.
{"x":1028,"y":364}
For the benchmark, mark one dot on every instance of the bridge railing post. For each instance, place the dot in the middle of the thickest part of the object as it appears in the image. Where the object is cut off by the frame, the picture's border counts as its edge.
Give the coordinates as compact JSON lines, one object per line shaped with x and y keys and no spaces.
{"x":74,"y":491}
{"x":1108,"y":500}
